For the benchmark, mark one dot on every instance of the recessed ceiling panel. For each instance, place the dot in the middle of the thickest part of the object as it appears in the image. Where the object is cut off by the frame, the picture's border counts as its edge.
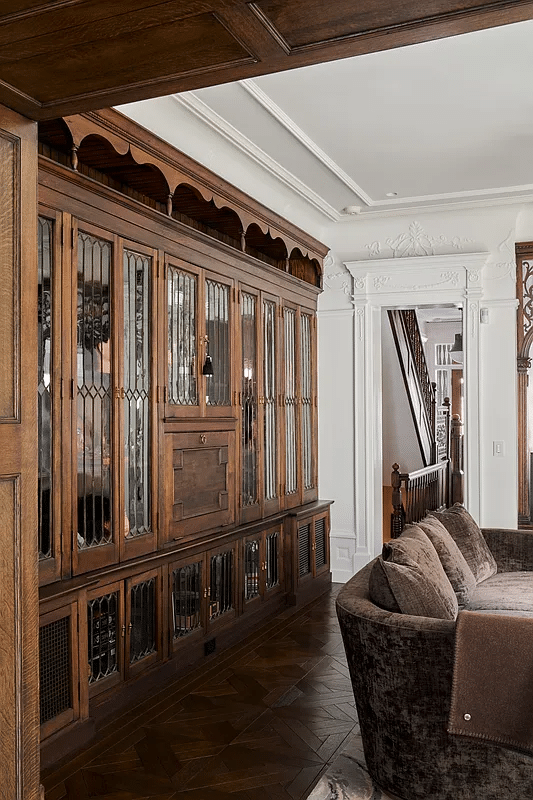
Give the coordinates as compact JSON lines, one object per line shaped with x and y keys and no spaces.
{"x":301,"y":23}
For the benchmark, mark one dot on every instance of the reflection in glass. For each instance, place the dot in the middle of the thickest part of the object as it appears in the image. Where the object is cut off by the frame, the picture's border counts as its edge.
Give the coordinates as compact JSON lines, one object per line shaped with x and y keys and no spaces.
{"x":44,"y":388}
{"x":102,"y":622}
{"x":220,"y":584}
{"x":269,"y":372}
{"x":217,"y":387}
{"x":251,"y":569}
{"x":272,"y":560}
{"x":137,"y":347}
{"x":249,"y":401}
{"x":307,"y":401}
{"x":142,"y":620}
{"x":291,"y":477}
{"x":186,"y":599}
{"x":93,"y":397}
{"x":182,"y":293}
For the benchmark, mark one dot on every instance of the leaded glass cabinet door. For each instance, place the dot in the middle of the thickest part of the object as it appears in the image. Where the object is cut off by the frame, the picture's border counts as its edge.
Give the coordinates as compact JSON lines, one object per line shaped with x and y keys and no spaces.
{"x":307,"y":406}
{"x":183,"y":373}
{"x":290,"y":408}
{"x":95,"y":536}
{"x":135,"y":365}
{"x":268,"y":406}
{"x":187,"y":588}
{"x":216,"y":351}
{"x":48,"y":398}
{"x":105,"y":633}
{"x":143,"y":621}
{"x":248,"y":395}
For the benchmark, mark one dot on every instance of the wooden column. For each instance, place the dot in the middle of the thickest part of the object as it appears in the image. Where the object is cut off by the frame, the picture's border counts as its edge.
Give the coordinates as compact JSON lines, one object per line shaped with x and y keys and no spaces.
{"x":19,"y":657}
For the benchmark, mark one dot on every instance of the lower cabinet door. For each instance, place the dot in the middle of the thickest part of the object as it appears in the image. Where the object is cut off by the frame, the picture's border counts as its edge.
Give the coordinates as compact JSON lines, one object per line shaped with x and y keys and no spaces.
{"x":187,"y":601}
{"x":221,"y":587}
{"x":105,"y":633}
{"x":59,"y":698}
{"x":142,"y":641}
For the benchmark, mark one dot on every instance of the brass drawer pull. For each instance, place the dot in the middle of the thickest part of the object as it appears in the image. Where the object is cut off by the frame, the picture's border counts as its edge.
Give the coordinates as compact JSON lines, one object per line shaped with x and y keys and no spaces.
{"x":203,"y":438}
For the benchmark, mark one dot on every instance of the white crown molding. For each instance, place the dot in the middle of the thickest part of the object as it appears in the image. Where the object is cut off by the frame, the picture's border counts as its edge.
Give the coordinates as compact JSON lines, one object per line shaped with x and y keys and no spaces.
{"x":223,"y":128}
{"x":408,"y":205}
{"x":250,"y":86}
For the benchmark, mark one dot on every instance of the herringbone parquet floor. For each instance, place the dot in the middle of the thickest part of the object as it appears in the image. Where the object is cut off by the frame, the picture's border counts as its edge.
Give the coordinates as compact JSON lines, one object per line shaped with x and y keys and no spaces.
{"x":259,"y":722}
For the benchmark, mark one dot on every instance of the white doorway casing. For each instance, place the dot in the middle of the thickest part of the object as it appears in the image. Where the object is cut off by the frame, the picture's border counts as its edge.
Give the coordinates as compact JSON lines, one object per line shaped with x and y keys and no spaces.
{"x":405,"y":283}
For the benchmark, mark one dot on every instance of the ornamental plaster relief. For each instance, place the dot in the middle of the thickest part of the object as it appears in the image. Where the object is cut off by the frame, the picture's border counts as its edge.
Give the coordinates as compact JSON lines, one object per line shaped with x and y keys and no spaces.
{"x":415,"y":242}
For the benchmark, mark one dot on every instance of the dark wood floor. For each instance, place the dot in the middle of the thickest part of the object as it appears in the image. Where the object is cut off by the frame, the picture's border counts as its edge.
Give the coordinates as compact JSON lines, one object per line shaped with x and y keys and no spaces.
{"x":259,"y":722}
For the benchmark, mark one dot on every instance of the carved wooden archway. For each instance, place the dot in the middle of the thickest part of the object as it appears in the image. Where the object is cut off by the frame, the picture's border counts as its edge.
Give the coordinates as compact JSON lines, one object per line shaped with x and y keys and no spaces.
{"x":524,"y":293}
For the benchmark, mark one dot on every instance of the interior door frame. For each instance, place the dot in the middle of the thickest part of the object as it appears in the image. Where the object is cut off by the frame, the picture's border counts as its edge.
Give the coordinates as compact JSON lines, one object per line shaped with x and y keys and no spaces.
{"x":405,"y":283}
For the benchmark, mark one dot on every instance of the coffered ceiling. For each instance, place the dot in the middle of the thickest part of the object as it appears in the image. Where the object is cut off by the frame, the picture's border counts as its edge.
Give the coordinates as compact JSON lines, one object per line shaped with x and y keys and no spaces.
{"x":64,"y":56}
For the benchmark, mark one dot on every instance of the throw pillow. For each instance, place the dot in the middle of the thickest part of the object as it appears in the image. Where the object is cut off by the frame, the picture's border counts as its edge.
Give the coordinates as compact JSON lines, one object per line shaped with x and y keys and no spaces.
{"x":459,"y":573}
{"x":416,"y":577}
{"x":466,"y":533}
{"x":379,"y":589}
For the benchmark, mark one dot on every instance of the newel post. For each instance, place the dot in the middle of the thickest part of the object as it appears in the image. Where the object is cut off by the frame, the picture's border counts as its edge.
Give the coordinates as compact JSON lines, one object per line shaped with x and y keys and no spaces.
{"x":456,"y":456}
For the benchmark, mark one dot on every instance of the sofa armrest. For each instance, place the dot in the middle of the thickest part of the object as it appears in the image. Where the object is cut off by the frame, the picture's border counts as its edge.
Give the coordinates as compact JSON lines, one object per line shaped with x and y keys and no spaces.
{"x":512,"y":549}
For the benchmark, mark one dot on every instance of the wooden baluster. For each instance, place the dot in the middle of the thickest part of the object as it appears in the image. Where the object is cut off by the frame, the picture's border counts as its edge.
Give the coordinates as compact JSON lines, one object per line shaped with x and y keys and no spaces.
{"x":397,"y":519}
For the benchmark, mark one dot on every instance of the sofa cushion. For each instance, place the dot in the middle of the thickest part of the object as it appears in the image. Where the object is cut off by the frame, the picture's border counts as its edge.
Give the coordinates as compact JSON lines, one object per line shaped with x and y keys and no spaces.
{"x":459,"y":573}
{"x":505,"y":592}
{"x":467,"y":535}
{"x":416,"y":578}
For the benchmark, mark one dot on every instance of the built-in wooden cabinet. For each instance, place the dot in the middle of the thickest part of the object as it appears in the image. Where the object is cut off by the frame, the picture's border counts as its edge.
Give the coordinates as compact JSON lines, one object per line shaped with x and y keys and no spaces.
{"x":177,"y":413}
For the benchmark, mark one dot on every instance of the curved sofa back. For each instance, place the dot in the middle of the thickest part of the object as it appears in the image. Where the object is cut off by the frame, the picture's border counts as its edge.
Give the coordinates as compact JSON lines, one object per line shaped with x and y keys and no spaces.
{"x":401,"y":669}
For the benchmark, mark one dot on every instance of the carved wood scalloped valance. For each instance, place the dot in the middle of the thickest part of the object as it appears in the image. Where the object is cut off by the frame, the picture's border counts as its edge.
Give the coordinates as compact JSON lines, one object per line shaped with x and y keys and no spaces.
{"x":299,"y":253}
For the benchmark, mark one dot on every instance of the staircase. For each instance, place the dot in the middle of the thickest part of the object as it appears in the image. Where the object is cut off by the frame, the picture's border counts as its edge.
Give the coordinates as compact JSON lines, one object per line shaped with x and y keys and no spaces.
{"x":420,"y":390}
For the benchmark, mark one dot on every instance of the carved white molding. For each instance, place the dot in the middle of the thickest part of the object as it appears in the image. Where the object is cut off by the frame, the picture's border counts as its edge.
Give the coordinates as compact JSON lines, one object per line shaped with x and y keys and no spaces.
{"x":336,"y":276}
{"x":222,"y":127}
{"x":416,"y":242}
{"x":505,"y":265}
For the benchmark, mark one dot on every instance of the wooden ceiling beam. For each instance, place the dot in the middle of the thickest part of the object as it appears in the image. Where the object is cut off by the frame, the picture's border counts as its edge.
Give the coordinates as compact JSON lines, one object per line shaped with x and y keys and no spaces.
{"x":60,"y":57}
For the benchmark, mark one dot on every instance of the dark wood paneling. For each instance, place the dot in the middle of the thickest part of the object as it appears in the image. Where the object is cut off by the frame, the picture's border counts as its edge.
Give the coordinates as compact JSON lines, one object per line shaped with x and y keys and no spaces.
{"x":67,"y":56}
{"x":296,"y":27}
{"x":18,"y":465}
{"x":135,"y":51}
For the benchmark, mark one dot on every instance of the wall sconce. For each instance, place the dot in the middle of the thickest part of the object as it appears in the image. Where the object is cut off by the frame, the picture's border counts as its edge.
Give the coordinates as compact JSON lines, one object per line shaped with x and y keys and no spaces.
{"x":207,"y":368}
{"x":456,"y":351}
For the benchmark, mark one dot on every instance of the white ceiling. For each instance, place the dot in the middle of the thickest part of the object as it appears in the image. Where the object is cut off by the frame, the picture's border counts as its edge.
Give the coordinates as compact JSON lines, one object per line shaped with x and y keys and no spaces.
{"x":438,"y":123}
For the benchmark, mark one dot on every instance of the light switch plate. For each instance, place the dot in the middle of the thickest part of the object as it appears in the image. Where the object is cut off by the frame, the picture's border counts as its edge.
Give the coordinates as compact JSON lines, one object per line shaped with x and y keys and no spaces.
{"x":497,"y":449}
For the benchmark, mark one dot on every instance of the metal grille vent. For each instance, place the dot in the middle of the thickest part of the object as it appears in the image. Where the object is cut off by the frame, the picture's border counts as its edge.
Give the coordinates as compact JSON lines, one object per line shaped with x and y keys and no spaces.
{"x":142,"y":620}
{"x":304,"y":550}
{"x":251,"y":569}
{"x":186,"y":599}
{"x":102,"y":630}
{"x":320,"y":543}
{"x":272,"y":566}
{"x":220,"y":584}
{"x":54,"y":669}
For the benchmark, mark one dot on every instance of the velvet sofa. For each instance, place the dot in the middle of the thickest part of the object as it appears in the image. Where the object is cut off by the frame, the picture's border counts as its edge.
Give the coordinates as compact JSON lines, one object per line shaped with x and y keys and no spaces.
{"x":402,"y":671}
